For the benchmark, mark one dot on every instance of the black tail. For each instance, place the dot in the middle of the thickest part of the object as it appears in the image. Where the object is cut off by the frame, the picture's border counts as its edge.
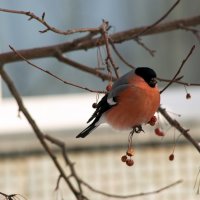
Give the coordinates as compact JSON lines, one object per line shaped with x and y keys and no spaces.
{"x":102,"y":107}
{"x":87,"y":131}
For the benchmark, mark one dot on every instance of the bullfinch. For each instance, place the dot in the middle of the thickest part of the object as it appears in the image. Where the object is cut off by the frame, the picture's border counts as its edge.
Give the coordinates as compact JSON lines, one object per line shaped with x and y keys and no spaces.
{"x":131,"y":102}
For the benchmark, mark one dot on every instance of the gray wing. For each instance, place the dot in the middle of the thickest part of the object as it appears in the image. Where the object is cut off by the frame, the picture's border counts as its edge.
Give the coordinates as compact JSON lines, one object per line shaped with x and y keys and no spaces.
{"x":118,"y":86}
{"x":123,"y":79}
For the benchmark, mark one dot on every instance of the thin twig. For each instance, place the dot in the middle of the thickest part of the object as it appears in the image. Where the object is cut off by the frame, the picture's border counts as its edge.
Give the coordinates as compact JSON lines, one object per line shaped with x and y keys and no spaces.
{"x":10,"y":196}
{"x":58,"y":182}
{"x":176,"y":124}
{"x":131,"y":195}
{"x":178,"y":82}
{"x":150,"y":51}
{"x":82,"y":67}
{"x":31,"y":16}
{"x":159,"y":20}
{"x":195,"y":32}
{"x":119,"y":55}
{"x":179,"y":70}
{"x":53,"y":75}
{"x":84,"y":43}
{"x":68,"y":162}
{"x":37,"y":131}
{"x":104,"y":28}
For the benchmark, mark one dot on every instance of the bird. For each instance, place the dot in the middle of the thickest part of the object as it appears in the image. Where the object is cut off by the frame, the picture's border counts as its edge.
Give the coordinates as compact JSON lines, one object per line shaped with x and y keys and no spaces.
{"x":132,"y":101}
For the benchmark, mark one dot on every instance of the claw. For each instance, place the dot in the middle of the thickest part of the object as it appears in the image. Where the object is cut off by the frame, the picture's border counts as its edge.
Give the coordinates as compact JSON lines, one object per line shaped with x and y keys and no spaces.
{"x":138,"y":129}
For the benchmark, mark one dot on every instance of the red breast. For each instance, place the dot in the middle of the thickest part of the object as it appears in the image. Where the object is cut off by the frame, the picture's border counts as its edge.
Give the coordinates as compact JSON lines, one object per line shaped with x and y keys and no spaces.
{"x":136,"y":105}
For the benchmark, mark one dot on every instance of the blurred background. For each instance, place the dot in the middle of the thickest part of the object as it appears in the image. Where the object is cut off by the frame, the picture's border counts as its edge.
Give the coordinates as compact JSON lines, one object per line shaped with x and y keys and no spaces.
{"x":57,"y":109}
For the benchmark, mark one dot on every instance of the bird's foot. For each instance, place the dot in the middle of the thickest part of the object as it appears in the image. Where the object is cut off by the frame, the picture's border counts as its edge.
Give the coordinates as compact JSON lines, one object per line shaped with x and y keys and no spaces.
{"x":137,"y":129}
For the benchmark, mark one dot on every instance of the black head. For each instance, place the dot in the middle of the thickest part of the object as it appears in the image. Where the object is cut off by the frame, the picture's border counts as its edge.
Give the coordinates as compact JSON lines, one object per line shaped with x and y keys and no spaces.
{"x":148,"y":74}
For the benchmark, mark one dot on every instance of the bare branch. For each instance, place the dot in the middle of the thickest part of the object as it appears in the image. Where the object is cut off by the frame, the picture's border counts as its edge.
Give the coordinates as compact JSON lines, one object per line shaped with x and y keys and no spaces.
{"x":53,"y":75}
{"x":80,"y":182}
{"x":48,"y":27}
{"x":82,"y":67}
{"x":58,"y":182}
{"x":11,"y":196}
{"x":176,"y":124}
{"x":79,"y":30}
{"x":151,"y":52}
{"x":159,"y":20}
{"x":68,"y":162}
{"x":131,"y":195}
{"x":179,"y":70}
{"x":108,"y":60}
{"x":86,"y":42}
{"x":195,"y":32}
{"x":119,"y":54}
{"x":37,"y":131}
{"x":177,"y":80}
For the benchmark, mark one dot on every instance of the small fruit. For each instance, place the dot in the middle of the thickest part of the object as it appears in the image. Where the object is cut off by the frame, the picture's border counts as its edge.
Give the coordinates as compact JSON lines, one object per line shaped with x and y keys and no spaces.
{"x":158,"y":132}
{"x":94,"y":105}
{"x":109,"y":87}
{"x":171,"y":157}
{"x":152,"y":121}
{"x":124,"y":158}
{"x":130,"y":152}
{"x":129,"y":162}
{"x":188,"y":96}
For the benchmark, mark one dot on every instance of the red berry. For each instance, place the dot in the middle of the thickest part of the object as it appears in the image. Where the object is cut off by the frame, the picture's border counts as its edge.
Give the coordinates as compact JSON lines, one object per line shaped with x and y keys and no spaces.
{"x":171,"y":157}
{"x":158,"y":132}
{"x":153,"y":121}
{"x":109,"y":87}
{"x":188,"y":96}
{"x":129,"y":162}
{"x":130,"y":152}
{"x":94,"y":105}
{"x":124,"y":158}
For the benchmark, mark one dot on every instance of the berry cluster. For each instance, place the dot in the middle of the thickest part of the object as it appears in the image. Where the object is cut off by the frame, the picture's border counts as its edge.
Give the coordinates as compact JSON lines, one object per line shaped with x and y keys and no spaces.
{"x":157,"y":130}
{"x":127,"y":158}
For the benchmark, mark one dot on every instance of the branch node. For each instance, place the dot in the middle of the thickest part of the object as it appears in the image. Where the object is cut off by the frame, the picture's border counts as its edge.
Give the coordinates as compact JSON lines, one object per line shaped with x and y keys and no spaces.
{"x":44,"y":31}
{"x":43,"y":15}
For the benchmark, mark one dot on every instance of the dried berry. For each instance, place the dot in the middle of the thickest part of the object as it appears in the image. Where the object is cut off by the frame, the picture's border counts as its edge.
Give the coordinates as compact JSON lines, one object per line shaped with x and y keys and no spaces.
{"x":124,"y":158}
{"x":158,"y":132}
{"x":129,"y":162}
{"x":94,"y":105}
{"x":171,"y":157}
{"x":130,"y":152}
{"x":109,"y":87}
{"x":152,"y":121}
{"x":188,"y":96}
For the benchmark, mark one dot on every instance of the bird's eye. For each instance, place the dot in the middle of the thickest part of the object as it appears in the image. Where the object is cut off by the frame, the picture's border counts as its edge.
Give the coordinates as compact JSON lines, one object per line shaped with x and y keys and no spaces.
{"x":152,"y":82}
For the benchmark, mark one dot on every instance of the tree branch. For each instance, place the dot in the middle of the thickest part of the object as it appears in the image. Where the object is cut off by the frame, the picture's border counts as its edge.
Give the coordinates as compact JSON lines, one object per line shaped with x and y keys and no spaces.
{"x":179,"y":70}
{"x":176,"y":124}
{"x":53,"y":75}
{"x":85,"y":43}
{"x":82,"y":67}
{"x":31,"y":16}
{"x":37,"y":131}
{"x":131,"y":195}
